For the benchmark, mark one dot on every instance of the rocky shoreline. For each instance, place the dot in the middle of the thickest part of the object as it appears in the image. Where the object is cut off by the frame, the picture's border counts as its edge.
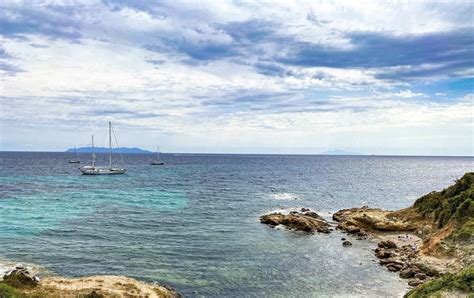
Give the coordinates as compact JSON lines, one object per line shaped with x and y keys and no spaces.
{"x":422,"y":243}
{"x":400,"y":247}
{"x":20,"y":281}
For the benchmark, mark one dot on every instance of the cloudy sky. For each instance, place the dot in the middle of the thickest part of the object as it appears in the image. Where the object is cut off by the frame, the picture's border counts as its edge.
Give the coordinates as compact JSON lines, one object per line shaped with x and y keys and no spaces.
{"x":377,"y":77}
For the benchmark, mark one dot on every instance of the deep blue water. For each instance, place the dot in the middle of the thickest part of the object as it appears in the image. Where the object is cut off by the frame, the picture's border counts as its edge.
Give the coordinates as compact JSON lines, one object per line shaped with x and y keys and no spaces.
{"x":194,"y":223}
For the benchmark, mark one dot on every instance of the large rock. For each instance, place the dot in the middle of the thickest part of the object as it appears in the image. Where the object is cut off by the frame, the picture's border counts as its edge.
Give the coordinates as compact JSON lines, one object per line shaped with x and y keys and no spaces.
{"x":407,"y":272}
{"x":383,"y":254}
{"x":428,"y":270}
{"x":352,"y":229}
{"x":308,"y":222}
{"x":393,"y":268}
{"x":415,"y":282}
{"x":20,"y":277}
{"x":387,"y":261}
{"x":370,"y":219}
{"x":387,"y":244}
{"x":420,"y":276}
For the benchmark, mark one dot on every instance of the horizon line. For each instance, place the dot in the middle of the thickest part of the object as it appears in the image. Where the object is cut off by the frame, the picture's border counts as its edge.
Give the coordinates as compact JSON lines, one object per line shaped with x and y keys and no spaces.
{"x":234,"y":153}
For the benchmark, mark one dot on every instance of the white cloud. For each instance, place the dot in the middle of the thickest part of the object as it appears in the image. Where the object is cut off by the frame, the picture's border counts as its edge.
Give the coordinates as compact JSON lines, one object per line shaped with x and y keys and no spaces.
{"x":404,"y":94}
{"x":106,"y":73}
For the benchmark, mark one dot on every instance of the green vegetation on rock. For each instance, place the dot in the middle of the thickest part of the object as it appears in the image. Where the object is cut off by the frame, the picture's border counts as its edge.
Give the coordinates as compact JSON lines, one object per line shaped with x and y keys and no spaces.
{"x":7,"y":291}
{"x":463,"y":281}
{"x":454,"y":204}
{"x":464,"y":233}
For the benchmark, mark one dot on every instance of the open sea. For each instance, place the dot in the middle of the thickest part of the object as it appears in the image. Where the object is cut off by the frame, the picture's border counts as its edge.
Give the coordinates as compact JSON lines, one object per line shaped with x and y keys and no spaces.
{"x":193,"y":224}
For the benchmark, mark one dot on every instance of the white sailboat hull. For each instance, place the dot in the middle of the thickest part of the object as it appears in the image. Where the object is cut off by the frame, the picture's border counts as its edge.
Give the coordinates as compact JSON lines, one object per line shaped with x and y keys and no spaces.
{"x":88,"y":170}
{"x":93,"y":170}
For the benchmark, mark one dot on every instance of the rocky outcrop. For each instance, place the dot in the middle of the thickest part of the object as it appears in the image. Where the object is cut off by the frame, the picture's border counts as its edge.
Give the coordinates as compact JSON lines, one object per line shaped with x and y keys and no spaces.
{"x":354,"y":220}
{"x":22,"y":283}
{"x":20,"y":276}
{"x":308,"y":221}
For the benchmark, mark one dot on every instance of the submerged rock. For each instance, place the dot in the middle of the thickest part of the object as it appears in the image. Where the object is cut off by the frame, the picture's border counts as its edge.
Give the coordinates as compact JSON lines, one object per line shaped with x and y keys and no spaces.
{"x":308,"y":222}
{"x":347,"y":243}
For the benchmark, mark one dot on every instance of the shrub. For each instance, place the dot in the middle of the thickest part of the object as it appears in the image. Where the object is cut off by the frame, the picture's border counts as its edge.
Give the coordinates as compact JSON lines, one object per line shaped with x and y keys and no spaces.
{"x":462,"y":281}
{"x":7,"y":291}
{"x":455,"y":202}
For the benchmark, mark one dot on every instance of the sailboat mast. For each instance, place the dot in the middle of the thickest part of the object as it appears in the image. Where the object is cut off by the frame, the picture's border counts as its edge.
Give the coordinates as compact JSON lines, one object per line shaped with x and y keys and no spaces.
{"x":93,"y":154}
{"x":110,"y":144}
{"x":75,"y":153}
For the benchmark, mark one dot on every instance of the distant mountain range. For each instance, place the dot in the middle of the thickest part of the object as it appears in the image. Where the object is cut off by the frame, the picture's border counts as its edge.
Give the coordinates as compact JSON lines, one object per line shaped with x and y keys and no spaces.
{"x":338,"y":152}
{"x":106,"y":150}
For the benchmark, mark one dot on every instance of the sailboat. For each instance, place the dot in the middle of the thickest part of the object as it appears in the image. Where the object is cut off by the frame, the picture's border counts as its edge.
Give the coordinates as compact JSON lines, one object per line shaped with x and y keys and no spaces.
{"x":157,"y":161}
{"x":94,"y":170}
{"x":74,"y":160}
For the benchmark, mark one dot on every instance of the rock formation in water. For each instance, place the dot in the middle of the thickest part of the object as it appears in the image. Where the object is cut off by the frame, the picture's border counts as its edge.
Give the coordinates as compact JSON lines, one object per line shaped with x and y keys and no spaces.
{"x":306,"y":221}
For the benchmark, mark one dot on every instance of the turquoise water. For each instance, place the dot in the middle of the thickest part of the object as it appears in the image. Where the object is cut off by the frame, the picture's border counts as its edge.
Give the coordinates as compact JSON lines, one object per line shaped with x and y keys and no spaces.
{"x":193,"y":223}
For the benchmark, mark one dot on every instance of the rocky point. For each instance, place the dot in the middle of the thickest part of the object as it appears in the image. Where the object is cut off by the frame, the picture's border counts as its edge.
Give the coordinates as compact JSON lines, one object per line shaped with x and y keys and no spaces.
{"x":305,"y":220}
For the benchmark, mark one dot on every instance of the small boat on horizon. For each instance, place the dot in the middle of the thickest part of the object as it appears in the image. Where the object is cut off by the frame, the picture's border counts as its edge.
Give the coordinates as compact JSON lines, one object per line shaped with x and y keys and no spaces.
{"x":157,"y":161}
{"x":94,"y":170}
{"x":74,"y":160}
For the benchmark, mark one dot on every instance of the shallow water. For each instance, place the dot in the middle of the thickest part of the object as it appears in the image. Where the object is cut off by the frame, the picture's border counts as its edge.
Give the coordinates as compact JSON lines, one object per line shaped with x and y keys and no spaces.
{"x":193,"y":223}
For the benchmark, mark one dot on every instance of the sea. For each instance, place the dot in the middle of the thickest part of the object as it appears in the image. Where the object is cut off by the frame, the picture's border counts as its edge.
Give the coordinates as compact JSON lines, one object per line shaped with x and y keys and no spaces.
{"x":193,"y":223}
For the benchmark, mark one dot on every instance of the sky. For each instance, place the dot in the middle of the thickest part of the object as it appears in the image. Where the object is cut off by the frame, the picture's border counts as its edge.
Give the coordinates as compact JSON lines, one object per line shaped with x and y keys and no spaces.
{"x":301,"y":77}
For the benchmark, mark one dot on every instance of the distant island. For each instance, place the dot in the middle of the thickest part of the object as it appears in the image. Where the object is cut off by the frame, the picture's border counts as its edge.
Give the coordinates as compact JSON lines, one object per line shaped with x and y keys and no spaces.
{"x":338,"y":152}
{"x":133,"y":150}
